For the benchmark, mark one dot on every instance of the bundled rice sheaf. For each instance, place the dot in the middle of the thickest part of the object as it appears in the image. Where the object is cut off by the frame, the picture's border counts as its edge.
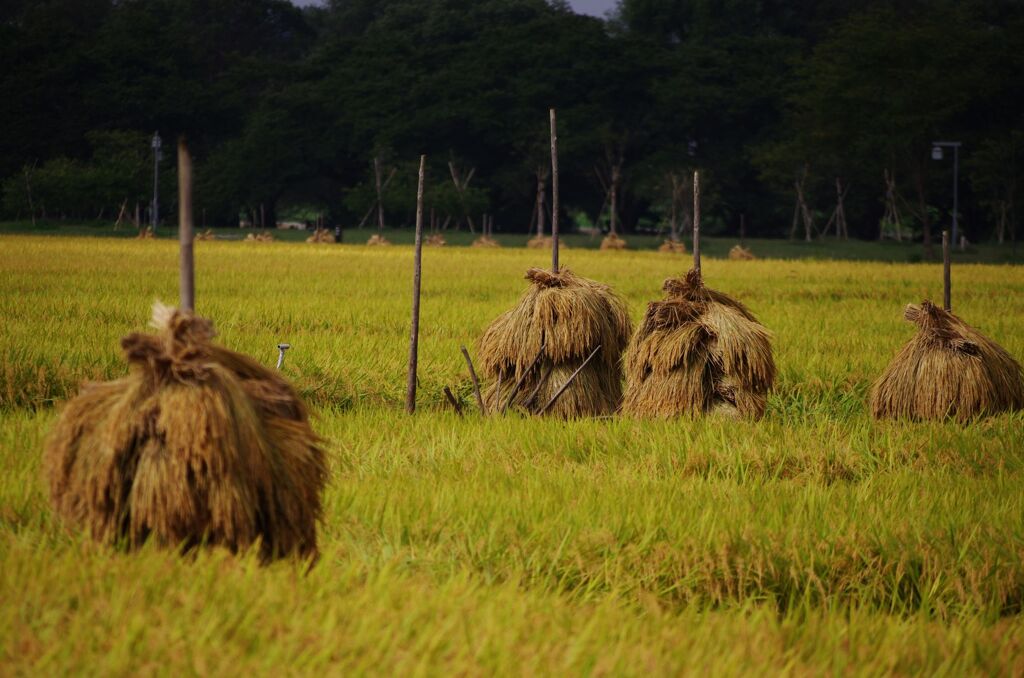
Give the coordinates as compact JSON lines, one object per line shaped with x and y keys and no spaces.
{"x":205,"y":235}
{"x":556,"y":325}
{"x":741,"y":253}
{"x":948,"y":370}
{"x":435,"y":240}
{"x":378,"y":240}
{"x":673,"y":247}
{"x":320,"y":235}
{"x":264,"y":236}
{"x":198,"y":445}
{"x":145,"y":233}
{"x":698,"y":351}
{"x":543,"y":242}
{"x":613,"y":242}
{"x":486,"y":241}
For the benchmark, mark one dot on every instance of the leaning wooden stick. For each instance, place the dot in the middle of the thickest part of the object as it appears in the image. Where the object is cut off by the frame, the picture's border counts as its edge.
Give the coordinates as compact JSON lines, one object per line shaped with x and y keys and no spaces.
{"x":696,"y":221}
{"x":522,"y":379}
{"x":186,"y":280}
{"x":540,"y":384}
{"x":451,"y":398}
{"x":414,"y":335}
{"x":945,"y":272}
{"x":568,"y":381}
{"x":476,"y":382}
{"x":554,"y":194}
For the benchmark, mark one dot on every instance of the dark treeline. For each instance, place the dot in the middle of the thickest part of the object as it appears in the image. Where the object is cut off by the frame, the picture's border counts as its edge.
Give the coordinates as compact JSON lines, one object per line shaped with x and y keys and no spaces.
{"x":784,"y":105}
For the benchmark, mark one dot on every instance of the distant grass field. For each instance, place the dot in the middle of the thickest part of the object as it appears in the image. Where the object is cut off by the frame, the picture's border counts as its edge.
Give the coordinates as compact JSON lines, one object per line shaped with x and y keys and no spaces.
{"x":813,"y":541}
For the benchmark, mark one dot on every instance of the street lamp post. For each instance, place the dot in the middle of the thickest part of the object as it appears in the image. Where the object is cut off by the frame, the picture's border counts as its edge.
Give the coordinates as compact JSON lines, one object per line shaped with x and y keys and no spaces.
{"x":937,"y":147}
{"x":157,"y":142}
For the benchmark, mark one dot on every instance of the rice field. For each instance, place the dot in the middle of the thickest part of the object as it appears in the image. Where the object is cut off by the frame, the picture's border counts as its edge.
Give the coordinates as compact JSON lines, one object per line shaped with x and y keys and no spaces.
{"x":813,"y":541}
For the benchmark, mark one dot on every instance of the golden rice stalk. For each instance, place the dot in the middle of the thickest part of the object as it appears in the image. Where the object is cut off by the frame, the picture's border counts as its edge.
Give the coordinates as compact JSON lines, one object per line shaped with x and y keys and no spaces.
{"x":948,"y":369}
{"x":435,"y":240}
{"x":486,"y":241}
{"x":613,"y":242}
{"x":673,"y":247}
{"x":197,"y":445}
{"x":569,"y":317}
{"x":698,"y":351}
{"x":378,"y":240}
{"x":741,"y":253}
{"x":320,"y":235}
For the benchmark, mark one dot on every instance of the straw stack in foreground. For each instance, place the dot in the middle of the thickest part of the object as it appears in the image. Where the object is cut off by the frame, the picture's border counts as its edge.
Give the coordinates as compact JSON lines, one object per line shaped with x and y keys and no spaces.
{"x":698,"y":351}
{"x":948,"y":369}
{"x":198,"y":445}
{"x":529,"y":352}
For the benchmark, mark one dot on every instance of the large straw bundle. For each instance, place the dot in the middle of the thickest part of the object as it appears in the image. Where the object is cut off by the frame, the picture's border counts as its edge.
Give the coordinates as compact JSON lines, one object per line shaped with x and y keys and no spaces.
{"x":613,"y":242}
{"x":197,"y":445}
{"x":698,"y":351}
{"x":948,"y":369}
{"x":556,"y":325}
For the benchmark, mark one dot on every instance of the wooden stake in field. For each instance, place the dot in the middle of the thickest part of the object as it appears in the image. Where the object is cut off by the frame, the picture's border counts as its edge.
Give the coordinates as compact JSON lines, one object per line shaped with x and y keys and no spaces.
{"x":698,"y":350}
{"x":554,"y":193}
{"x":949,"y":369}
{"x":414,"y":334}
{"x":186,"y":231}
{"x":560,"y":345}
{"x":197,"y":446}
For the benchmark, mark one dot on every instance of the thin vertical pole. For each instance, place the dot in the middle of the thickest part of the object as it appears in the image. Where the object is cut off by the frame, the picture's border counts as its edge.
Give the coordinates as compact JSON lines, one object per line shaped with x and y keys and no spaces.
{"x":186,"y":284}
{"x":945,"y":271}
{"x":154,"y":213}
{"x":414,"y":336}
{"x":956,"y":186}
{"x":696,"y":221}
{"x":554,"y":194}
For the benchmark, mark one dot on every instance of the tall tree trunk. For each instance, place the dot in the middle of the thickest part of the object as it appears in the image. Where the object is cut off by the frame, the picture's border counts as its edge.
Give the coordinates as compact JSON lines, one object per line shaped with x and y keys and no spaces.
{"x":616,"y":180}
{"x":380,"y":196}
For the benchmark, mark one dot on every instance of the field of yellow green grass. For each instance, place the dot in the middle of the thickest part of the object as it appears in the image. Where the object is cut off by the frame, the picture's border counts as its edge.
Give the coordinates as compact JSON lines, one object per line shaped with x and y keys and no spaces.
{"x":815,"y":540}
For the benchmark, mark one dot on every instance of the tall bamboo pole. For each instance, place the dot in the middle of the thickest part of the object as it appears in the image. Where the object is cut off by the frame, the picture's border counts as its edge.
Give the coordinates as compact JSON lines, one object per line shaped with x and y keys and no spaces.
{"x":186,"y":281}
{"x":945,"y":271}
{"x":414,"y":335}
{"x":696,"y":221}
{"x":554,"y":194}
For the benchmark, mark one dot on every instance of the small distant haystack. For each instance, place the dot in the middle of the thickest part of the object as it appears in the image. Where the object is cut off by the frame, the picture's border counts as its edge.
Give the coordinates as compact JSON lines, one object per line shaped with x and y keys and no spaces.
{"x":948,"y":370}
{"x":698,"y":351}
{"x":741,"y":253}
{"x":435,"y":240}
{"x":613,"y":242}
{"x":544,"y":242}
{"x":321,"y":235}
{"x":205,"y":235}
{"x":673,"y":247}
{"x":378,"y":240}
{"x":530,"y":352}
{"x":198,"y":445}
{"x":486,"y":241}
{"x":264,"y":236}
{"x":145,"y":233}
